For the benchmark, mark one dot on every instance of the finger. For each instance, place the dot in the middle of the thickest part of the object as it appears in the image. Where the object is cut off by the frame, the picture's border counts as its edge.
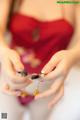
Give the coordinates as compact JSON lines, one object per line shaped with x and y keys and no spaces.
{"x":58,"y":96}
{"x":14,"y":86}
{"x":54,"y":75}
{"x":8,"y":91}
{"x":45,"y":94}
{"x":54,"y":88}
{"x":15,"y":59}
{"x":11,"y":85}
{"x":7,"y":68}
{"x":59,"y":72}
{"x":11,"y":74}
{"x":51,"y":64}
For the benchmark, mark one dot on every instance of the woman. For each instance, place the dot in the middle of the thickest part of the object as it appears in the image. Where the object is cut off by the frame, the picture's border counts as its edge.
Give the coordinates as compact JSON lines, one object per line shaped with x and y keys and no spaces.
{"x":39,"y":30}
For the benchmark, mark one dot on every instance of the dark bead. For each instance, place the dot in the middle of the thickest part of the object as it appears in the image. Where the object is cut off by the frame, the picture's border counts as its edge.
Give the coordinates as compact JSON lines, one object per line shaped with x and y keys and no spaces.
{"x":36,"y":76}
{"x":23,"y":73}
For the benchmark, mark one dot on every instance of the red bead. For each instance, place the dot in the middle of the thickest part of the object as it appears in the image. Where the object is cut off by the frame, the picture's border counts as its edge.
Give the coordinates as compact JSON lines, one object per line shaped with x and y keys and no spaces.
{"x":25,"y":100}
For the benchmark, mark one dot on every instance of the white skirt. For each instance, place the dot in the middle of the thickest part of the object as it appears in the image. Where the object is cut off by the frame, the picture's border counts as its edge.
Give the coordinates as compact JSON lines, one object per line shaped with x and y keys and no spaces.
{"x":68,"y":108}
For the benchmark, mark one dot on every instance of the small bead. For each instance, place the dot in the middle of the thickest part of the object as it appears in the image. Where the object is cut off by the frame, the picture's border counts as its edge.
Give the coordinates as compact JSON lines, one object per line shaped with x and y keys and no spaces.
{"x":23,"y":73}
{"x":24,"y":94}
{"x":36,"y":92}
{"x":35,"y":76}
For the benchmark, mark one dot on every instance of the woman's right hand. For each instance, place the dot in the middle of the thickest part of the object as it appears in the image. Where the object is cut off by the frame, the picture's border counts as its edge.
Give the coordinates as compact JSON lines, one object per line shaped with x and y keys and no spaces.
{"x":10,"y":66}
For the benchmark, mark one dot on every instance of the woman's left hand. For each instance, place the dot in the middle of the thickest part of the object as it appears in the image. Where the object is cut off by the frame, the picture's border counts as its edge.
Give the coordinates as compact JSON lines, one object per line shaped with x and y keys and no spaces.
{"x":57,"y":69}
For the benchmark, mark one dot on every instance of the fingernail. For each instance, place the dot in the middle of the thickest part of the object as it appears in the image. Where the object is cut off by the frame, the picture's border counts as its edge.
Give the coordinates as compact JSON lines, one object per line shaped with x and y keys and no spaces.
{"x":43,"y":72}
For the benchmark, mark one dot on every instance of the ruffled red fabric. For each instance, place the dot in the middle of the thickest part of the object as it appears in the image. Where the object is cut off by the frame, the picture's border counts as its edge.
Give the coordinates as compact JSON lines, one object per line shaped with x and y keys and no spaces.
{"x":53,"y":36}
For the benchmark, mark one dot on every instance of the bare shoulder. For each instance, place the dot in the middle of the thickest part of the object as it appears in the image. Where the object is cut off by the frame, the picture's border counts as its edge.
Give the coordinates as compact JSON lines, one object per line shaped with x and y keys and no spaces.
{"x":69,"y":10}
{"x":77,"y":10}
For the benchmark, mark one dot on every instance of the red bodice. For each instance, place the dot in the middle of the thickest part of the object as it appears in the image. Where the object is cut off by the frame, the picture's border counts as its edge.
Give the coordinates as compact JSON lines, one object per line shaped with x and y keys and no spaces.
{"x":44,"y":38}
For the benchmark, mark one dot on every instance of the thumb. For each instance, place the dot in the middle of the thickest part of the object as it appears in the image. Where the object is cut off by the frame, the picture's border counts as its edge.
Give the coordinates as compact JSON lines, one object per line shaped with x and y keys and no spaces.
{"x":17,"y":64}
{"x":50,"y":65}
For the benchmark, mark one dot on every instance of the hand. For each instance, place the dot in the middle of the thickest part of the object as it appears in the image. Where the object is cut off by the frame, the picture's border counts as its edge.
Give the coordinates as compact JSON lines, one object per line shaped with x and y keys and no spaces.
{"x":57,"y":69}
{"x":10,"y":65}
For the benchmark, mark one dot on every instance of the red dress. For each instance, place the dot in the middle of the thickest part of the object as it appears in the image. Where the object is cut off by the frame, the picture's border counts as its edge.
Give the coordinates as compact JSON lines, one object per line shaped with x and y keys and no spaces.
{"x":37,"y":41}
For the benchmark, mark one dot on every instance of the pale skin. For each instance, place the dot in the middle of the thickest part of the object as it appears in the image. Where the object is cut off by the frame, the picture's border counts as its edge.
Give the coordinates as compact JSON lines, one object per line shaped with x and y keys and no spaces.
{"x":62,"y":60}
